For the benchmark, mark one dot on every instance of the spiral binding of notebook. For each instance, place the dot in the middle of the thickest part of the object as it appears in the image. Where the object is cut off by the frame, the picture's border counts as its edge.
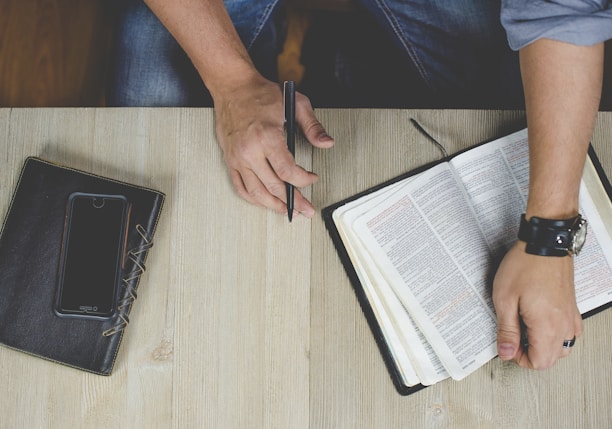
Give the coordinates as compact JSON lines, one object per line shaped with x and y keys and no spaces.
{"x":130,"y":282}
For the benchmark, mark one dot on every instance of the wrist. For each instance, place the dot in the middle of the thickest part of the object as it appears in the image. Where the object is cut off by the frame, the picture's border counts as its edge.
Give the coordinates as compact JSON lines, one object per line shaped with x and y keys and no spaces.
{"x":562,"y":212}
{"x":553,"y":204}
{"x":236,"y":82}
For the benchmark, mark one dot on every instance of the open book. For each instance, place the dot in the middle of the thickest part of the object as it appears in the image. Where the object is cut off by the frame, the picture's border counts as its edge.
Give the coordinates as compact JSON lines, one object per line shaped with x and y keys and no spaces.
{"x":421,"y":252}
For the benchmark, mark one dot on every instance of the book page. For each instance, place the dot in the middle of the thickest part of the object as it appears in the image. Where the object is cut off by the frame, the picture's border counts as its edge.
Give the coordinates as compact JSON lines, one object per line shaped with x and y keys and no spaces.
{"x":593,"y":266}
{"x":384,"y":313}
{"x":410,"y":349}
{"x":496,"y":178}
{"x":418,"y":238}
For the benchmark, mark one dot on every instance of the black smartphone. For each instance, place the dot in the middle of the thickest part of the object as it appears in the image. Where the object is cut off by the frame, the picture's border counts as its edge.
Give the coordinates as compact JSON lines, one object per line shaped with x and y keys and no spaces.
{"x":93,"y":251}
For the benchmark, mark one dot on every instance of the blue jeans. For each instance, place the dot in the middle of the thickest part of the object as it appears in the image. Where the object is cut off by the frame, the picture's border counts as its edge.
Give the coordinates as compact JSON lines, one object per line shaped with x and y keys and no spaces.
{"x":454,"y":52}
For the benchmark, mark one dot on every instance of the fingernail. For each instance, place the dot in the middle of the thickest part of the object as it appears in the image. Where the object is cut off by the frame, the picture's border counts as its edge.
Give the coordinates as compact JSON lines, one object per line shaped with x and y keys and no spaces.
{"x":324,"y":137}
{"x":505,"y":351}
{"x":308,"y":212}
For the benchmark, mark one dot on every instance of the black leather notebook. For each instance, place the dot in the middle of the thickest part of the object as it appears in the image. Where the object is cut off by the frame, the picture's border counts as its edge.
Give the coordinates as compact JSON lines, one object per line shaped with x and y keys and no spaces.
{"x":37,"y":282}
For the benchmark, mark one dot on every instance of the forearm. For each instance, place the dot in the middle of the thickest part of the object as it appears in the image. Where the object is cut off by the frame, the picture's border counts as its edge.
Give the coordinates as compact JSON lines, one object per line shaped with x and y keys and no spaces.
{"x":205,"y":31}
{"x":562,"y":85}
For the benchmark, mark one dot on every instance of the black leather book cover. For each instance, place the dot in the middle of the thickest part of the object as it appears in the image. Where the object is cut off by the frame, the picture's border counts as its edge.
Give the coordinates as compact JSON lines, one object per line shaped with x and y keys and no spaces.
{"x":30,"y":252}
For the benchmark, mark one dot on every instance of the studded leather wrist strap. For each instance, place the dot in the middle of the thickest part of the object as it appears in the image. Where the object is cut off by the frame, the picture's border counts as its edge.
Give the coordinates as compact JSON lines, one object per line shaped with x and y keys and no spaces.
{"x":546,"y":237}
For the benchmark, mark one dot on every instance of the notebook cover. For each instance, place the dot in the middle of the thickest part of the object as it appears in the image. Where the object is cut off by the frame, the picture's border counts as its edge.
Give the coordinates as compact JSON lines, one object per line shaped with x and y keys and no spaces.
{"x":330,"y":225}
{"x":30,"y":245}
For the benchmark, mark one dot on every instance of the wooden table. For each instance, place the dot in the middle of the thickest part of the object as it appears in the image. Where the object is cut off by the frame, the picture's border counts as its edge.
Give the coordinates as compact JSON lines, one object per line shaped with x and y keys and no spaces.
{"x":246,"y":321}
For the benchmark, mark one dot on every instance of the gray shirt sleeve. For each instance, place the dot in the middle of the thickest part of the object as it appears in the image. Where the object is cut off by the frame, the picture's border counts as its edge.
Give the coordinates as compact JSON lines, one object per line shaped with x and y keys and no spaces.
{"x":581,"y":22}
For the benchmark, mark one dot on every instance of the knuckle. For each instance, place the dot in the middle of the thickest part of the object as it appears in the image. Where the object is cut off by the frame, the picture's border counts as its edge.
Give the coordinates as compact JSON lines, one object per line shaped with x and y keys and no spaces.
{"x":541,"y":365}
{"x":504,"y":331}
{"x":255,"y":194}
{"x":544,"y":357}
{"x":579,"y":327}
{"x":283,"y":171}
{"x":302,"y":100}
{"x":276,"y":188}
{"x":246,"y":149}
{"x":312,"y":127}
{"x":242,"y":193}
{"x":501,"y":296}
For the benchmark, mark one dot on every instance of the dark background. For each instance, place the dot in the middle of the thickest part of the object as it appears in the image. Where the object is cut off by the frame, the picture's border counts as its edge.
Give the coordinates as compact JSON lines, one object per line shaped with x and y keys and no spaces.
{"x":55,"y":53}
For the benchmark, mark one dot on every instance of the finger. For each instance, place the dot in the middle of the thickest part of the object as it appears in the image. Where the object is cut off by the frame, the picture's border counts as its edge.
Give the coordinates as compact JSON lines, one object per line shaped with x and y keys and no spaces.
{"x":303,"y":206}
{"x":309,"y":124}
{"x":508,"y":332}
{"x":240,"y":188}
{"x":275,"y":166}
{"x":249,"y":187}
{"x":572,"y":338}
{"x":280,"y":168}
{"x":578,"y":327}
{"x":287,"y":170}
{"x":567,"y":349}
{"x":546,"y":344}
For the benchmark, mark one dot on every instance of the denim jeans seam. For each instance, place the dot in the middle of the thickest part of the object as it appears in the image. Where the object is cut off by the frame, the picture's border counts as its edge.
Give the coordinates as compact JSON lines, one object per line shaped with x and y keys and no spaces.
{"x":397,"y":29}
{"x":262,"y":21}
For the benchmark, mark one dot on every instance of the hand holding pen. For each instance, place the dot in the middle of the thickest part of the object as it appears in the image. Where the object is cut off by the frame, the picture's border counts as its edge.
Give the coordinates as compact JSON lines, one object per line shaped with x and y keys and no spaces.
{"x":250,"y":131}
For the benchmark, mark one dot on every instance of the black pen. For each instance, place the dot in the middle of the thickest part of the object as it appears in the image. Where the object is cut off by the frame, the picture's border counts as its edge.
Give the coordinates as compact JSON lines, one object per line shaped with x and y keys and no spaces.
{"x":289,"y":102}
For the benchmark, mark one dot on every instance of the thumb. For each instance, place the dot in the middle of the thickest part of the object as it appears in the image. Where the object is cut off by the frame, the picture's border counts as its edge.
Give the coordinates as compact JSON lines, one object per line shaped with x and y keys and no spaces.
{"x":310,"y":125}
{"x":508,"y":333}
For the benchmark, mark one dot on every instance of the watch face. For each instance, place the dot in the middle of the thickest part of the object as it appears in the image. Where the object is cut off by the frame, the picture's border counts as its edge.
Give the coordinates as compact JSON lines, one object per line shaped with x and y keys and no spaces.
{"x":579,"y":233}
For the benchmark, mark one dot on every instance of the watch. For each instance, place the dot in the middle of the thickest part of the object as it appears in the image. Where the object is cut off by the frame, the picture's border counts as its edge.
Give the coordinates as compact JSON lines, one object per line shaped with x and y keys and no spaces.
{"x":553,"y":237}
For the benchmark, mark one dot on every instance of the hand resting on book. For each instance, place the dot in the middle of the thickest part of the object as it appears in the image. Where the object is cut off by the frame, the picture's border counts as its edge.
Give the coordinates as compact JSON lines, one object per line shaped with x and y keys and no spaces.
{"x":562,"y":83}
{"x":541,"y":290}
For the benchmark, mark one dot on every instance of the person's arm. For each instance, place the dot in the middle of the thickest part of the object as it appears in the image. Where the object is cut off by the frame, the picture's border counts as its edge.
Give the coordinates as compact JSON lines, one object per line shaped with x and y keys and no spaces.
{"x":248,"y":108}
{"x":562,"y":84}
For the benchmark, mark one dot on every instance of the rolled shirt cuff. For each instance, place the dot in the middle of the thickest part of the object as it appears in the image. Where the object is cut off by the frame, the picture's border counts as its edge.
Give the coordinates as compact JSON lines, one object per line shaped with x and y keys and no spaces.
{"x":573,"y":21}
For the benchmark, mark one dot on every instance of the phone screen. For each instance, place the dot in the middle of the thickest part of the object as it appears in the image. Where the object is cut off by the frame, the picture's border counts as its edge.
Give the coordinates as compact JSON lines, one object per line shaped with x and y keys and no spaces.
{"x":93,"y":250}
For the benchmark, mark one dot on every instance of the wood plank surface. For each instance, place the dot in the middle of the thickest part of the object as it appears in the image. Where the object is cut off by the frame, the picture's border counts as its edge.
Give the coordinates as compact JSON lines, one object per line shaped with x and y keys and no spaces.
{"x":219,"y":334}
{"x":244,"y":320}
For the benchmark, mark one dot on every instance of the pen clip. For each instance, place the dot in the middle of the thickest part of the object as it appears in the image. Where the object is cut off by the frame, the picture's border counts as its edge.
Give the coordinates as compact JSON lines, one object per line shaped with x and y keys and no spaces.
{"x":289,"y":101}
{"x":285,"y":102}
